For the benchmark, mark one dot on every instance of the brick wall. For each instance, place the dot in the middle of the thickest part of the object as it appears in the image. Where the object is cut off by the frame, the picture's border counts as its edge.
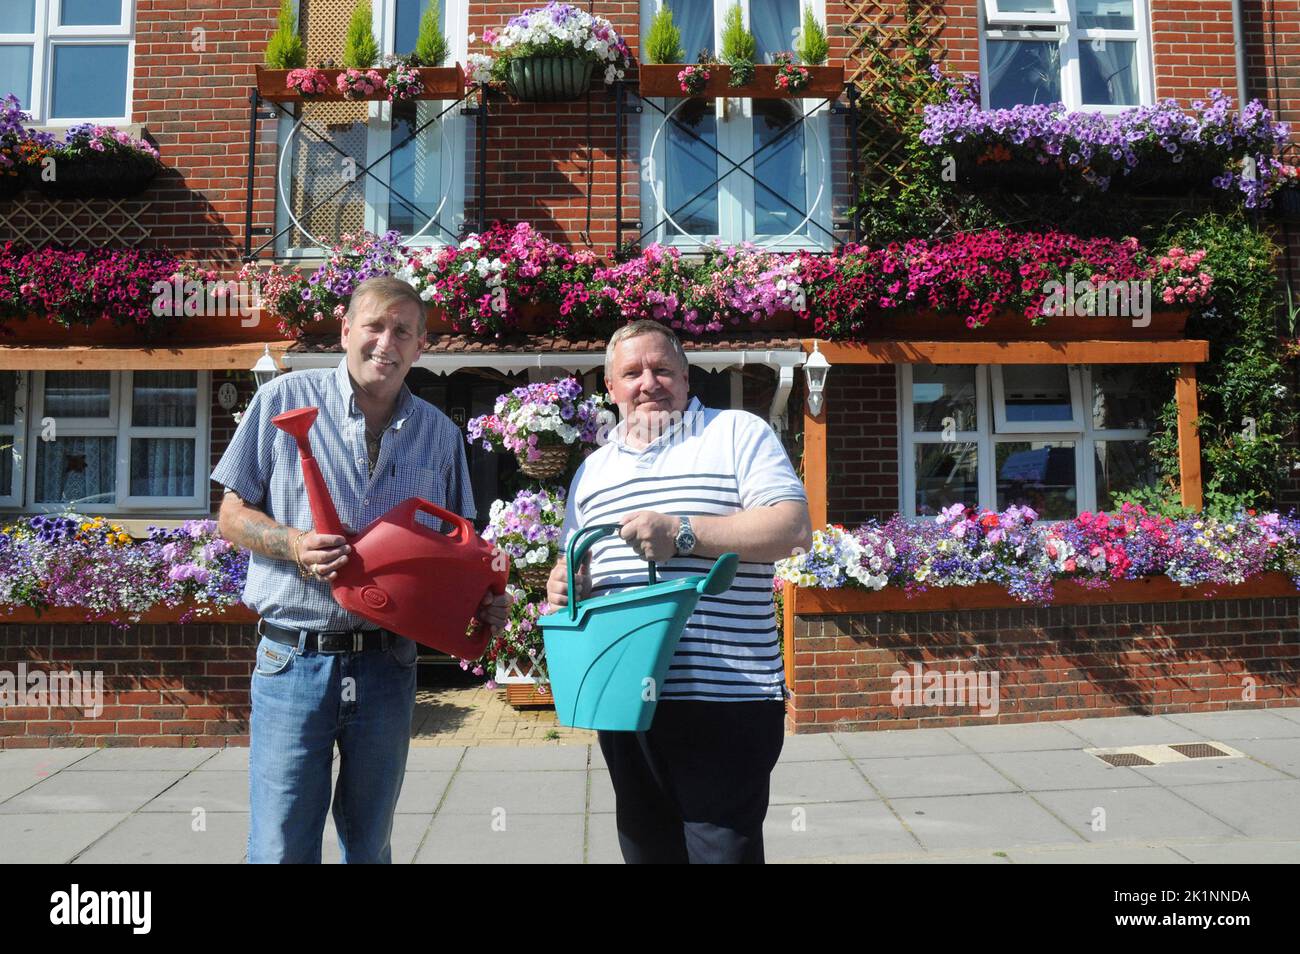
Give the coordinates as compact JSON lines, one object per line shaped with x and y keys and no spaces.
{"x":223,"y":422}
{"x":862,"y":442}
{"x":1065,"y":662}
{"x":164,"y":685}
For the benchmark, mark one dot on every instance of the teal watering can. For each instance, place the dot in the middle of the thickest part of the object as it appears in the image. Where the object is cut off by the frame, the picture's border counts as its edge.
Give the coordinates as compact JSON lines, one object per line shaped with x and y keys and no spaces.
{"x":607,"y":657}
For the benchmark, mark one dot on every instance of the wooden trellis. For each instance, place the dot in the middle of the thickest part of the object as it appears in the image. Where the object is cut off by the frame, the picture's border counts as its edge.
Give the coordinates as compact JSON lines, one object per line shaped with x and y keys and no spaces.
{"x":39,"y":221}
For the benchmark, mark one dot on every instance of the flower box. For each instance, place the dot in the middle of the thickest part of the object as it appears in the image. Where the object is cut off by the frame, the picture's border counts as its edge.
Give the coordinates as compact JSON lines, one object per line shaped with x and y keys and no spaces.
{"x":96,"y":177}
{"x":811,"y":601}
{"x":1012,"y":325}
{"x":25,"y":616}
{"x":549,"y":79}
{"x":206,"y":329}
{"x":661,"y":80}
{"x":440,"y":82}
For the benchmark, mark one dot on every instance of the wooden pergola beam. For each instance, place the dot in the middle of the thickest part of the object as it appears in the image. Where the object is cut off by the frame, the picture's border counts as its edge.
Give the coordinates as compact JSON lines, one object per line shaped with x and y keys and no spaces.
{"x":1189,"y":438}
{"x":225,"y":357}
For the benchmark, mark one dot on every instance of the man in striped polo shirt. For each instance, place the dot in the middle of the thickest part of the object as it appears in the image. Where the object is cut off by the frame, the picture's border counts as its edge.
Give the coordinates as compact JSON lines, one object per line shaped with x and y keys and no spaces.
{"x":689,"y":483}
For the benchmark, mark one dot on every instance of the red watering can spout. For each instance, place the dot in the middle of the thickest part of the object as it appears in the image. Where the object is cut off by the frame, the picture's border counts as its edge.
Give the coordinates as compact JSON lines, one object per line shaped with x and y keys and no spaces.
{"x":402,"y":574}
{"x":297,"y":424}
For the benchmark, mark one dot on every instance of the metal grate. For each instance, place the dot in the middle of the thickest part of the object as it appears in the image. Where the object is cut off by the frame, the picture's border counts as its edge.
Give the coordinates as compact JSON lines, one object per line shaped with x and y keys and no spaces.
{"x":1199,"y":750}
{"x":1125,"y":758}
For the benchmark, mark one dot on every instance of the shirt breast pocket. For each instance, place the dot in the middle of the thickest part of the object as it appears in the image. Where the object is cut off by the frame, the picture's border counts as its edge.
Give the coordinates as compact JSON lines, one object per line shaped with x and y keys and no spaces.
{"x":431,"y":485}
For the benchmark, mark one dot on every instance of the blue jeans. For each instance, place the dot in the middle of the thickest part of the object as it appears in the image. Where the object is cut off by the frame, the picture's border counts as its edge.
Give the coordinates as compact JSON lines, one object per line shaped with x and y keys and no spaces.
{"x":303,"y":703}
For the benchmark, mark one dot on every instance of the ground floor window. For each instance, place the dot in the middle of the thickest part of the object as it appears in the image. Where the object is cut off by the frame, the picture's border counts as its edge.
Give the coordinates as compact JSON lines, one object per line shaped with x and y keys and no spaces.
{"x":1062,"y":439}
{"x":104,"y":441}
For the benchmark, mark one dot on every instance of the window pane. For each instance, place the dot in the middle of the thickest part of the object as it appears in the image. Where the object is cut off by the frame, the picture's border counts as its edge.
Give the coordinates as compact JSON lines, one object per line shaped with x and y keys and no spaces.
{"x":314,"y":170}
{"x":1122,"y":397}
{"x":164,"y":398}
{"x":774,"y":24}
{"x":76,"y":470}
{"x":780,"y":194}
{"x":1039,"y":474}
{"x":16,"y":72}
{"x":1108,"y":69}
{"x":6,"y":465}
{"x":1037,"y":393}
{"x":8,"y":397}
{"x":946,"y":474}
{"x":690,"y":190}
{"x":77,"y":394}
{"x":940,"y":391}
{"x":695,"y":22}
{"x":18,"y":16}
{"x":407,"y":23}
{"x":1024,"y":72}
{"x":89,"y":81}
{"x":415,"y":184}
{"x":91,"y":12}
{"x":1026,"y":6}
{"x":162,"y":467}
{"x":1123,"y":466}
{"x":1106,"y":14}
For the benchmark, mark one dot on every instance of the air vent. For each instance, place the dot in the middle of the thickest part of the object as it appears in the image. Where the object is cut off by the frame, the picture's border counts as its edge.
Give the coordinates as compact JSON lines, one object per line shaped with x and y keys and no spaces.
{"x":1145,"y":755}
{"x":1125,"y":758}
{"x":1199,"y":750}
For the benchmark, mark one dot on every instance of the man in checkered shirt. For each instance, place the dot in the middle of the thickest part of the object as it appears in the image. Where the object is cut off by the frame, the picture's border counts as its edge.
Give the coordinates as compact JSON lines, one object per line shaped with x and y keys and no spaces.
{"x":325,"y":676}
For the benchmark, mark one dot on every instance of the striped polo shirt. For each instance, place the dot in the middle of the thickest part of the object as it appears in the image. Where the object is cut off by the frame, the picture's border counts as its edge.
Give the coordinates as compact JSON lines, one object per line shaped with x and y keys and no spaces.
{"x":422,"y":455}
{"x":711,"y":463}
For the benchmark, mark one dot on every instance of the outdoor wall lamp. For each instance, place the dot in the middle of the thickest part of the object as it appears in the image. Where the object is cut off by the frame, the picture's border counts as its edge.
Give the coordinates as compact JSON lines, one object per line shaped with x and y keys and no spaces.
{"x":815,"y":370}
{"x":265,"y":370}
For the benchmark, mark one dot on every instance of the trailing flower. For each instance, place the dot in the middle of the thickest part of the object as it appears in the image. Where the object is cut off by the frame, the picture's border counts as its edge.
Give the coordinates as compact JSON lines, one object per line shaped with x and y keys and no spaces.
{"x":403,"y":82}
{"x":359,"y":84}
{"x":520,"y":638}
{"x":558,"y":29}
{"x":693,"y":79}
{"x":790,"y":78}
{"x":308,"y":81}
{"x":545,"y":414}
{"x":527,"y":528}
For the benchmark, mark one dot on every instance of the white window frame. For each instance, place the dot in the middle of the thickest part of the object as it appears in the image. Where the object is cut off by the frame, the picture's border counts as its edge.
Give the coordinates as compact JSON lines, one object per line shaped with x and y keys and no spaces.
{"x":47,"y":34}
{"x":989,"y":434}
{"x":1059,"y":26}
{"x":735,"y":125}
{"x":454,"y":129}
{"x":15,"y":434}
{"x":118,"y":425}
{"x":1003,"y":426}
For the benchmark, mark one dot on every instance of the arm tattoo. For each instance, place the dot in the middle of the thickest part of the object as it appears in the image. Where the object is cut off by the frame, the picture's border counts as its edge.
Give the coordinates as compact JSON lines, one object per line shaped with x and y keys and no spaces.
{"x":269,"y":539}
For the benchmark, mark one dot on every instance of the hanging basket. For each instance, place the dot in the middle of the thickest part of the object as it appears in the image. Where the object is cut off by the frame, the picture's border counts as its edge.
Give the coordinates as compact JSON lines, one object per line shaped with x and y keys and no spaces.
{"x":101,"y":177}
{"x":1288,"y":203}
{"x":549,"y":79}
{"x":10,"y":186}
{"x":553,"y":462}
{"x":535,"y":577}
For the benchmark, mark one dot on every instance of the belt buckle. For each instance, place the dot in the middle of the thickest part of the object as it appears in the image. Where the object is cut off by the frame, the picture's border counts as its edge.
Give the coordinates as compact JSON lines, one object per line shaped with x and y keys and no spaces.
{"x":358,"y":640}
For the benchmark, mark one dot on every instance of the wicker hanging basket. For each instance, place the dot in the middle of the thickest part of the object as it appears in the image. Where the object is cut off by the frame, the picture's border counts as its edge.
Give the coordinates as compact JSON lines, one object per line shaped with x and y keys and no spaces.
{"x":549,"y":79}
{"x":535,"y":577}
{"x":553,"y":462}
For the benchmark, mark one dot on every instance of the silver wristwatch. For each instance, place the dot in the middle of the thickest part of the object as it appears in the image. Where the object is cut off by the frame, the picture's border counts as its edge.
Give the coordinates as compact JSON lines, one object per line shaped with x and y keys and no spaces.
{"x":685,"y":539}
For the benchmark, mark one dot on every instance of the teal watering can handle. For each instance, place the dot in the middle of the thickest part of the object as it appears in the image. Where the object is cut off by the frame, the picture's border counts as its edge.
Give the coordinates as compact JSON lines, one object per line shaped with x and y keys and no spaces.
{"x":579,"y":544}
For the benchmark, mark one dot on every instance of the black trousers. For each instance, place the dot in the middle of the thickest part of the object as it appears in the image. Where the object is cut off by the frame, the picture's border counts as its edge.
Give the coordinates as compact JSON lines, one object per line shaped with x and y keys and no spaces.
{"x":694,"y":788}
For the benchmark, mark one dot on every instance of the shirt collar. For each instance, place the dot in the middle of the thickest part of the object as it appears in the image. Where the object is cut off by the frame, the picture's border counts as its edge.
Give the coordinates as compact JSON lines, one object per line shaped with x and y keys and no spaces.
{"x":405,"y":406}
{"x":689,"y":417}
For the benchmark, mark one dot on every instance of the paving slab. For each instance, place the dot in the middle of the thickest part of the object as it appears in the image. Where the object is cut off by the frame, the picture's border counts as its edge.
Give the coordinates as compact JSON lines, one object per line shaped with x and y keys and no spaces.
{"x":602,"y":840}
{"x":1019,"y":737}
{"x":995,"y":822}
{"x":934,"y":775}
{"x":527,"y":839}
{"x":1056,"y":770}
{"x":408,"y":831}
{"x":171,"y":838}
{"x":900,"y":743}
{"x":1133,"y":814}
{"x":810,"y":748}
{"x":226,"y":760}
{"x":601,"y":792}
{"x":1282,"y":755}
{"x":1118,"y":854}
{"x":1241,"y":724}
{"x":823,"y":830}
{"x":210,"y":791}
{"x":73,"y":792}
{"x":1242,"y":852}
{"x":800,"y":783}
{"x":51,"y":839}
{"x":42,"y":762}
{"x":422,"y":792}
{"x":526,"y":793}
{"x":1258,"y":809}
{"x":533,"y":758}
{"x":143,"y":760}
{"x":1129,"y":730}
{"x":434,"y":759}
{"x":1213,"y":771}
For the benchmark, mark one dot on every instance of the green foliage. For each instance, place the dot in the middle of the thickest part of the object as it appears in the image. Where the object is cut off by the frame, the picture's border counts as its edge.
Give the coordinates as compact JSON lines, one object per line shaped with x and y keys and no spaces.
{"x":739,"y":48}
{"x":360,"y":51}
{"x":285,"y":50}
{"x":664,"y":42}
{"x":430,"y":43}
{"x":812,"y":47}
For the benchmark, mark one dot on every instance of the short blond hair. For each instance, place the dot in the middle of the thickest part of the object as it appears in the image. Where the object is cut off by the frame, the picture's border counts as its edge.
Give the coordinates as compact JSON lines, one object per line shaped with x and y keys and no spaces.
{"x":643,"y":326}
{"x":385,"y":291}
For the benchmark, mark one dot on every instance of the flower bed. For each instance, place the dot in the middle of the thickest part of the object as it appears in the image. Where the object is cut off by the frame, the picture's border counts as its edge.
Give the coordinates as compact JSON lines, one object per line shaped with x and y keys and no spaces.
{"x":1026,"y":558}
{"x":486,"y":283}
{"x":1149,"y":148}
{"x":93,"y":568}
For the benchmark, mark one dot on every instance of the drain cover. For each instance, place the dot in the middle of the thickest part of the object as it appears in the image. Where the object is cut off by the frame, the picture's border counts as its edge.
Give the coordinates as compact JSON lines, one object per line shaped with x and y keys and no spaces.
{"x":1125,"y":758}
{"x":1199,"y":750}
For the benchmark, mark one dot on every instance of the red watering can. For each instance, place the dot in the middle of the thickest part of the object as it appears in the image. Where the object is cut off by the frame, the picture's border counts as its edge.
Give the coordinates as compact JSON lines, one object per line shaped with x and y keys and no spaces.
{"x":401,"y":574}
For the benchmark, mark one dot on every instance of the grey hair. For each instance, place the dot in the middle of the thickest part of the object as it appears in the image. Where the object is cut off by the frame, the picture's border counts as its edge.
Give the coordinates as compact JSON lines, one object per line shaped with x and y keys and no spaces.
{"x":385,"y":291}
{"x":634,"y":329}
